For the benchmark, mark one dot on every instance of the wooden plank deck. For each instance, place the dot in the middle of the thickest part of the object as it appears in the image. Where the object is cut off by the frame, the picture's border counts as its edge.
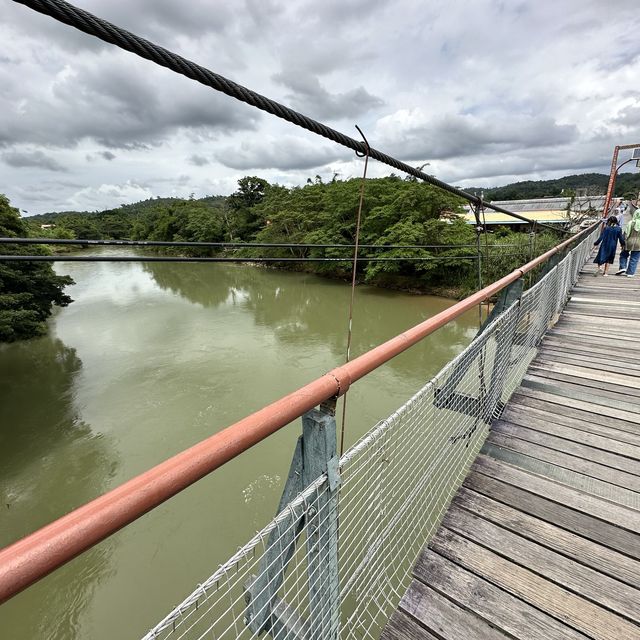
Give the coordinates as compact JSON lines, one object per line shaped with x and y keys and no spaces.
{"x":543,"y":539}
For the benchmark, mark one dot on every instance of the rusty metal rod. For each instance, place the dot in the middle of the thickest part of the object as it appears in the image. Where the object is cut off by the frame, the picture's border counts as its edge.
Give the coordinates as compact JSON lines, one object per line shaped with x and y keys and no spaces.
{"x":38,"y":554}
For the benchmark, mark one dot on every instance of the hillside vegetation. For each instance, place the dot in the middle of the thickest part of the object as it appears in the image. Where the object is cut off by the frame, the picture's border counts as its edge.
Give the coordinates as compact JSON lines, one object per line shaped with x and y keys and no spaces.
{"x":627,"y":185}
{"x":396,"y":212}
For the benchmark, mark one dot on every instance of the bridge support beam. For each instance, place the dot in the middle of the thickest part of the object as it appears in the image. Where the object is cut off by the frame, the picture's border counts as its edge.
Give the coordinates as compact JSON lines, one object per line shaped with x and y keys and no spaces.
{"x":315,"y":455}
{"x":447,"y":396}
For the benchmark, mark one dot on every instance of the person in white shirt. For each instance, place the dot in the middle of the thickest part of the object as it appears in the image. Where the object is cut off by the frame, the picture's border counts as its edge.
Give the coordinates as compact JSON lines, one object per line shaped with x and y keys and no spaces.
{"x":621,"y":209}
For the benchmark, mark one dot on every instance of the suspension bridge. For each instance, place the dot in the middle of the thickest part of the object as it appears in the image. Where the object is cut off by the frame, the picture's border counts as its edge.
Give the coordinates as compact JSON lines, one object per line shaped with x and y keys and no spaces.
{"x":502,"y":500}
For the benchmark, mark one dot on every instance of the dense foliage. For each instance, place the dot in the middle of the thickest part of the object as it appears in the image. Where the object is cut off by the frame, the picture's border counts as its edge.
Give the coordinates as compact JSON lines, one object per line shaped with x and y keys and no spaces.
{"x":396,"y":212}
{"x":27,"y":289}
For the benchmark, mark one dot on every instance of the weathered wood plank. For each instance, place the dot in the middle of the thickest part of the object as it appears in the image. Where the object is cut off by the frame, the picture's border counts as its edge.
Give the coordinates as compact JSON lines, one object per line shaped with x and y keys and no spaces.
{"x":497,"y":607}
{"x":580,"y":348}
{"x":610,"y":309}
{"x":630,"y":328}
{"x":604,"y":286}
{"x":581,"y":524}
{"x":581,"y":336}
{"x":595,"y":299}
{"x":444,"y":618}
{"x":599,"y":300}
{"x":602,"y":509}
{"x":583,"y":581}
{"x":607,"y":298}
{"x":579,"y":344}
{"x":605,"y":371}
{"x":566,"y":461}
{"x":577,"y":612}
{"x":555,"y":411}
{"x":595,"y":386}
{"x":556,"y":338}
{"x":532,"y":417}
{"x":580,"y":404}
{"x":591,"y":360}
{"x":590,"y":336}
{"x":402,"y":627}
{"x":568,"y":543}
{"x":598,"y":397}
{"x":590,"y":446}
{"x":585,"y":483}
{"x":624,"y":378}
{"x":629,"y":325}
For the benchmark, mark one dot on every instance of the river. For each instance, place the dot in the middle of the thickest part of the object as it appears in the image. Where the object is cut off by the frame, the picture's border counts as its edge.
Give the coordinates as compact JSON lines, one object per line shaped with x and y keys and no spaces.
{"x":150,"y":359}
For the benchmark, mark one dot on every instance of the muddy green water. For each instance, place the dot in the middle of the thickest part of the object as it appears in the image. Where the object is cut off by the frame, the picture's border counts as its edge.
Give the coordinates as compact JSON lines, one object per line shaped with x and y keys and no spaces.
{"x":148,"y":360}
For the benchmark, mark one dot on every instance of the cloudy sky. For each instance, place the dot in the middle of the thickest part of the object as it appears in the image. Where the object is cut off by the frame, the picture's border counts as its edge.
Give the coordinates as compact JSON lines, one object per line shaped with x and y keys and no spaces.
{"x":486,"y":91}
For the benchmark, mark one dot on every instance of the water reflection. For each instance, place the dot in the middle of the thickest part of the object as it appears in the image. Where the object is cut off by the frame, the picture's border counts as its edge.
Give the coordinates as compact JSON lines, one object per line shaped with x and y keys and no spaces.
{"x":300,"y":309}
{"x":50,"y":463}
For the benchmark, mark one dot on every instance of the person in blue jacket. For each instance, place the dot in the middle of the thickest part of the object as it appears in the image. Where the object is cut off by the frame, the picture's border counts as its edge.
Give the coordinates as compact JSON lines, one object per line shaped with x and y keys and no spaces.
{"x":608,"y":240}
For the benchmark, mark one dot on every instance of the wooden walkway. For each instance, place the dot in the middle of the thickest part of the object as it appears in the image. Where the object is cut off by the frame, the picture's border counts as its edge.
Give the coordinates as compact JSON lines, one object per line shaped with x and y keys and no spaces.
{"x":543,"y":540}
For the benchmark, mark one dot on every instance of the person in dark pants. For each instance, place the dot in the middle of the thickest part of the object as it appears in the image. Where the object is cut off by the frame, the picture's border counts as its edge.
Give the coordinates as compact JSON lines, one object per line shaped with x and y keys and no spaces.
{"x":608,"y":241}
{"x":629,"y":258}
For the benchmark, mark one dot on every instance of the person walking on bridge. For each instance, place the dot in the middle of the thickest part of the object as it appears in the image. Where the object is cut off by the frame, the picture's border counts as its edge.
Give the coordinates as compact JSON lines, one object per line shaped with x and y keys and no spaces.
{"x":629,"y":259}
{"x":608,"y":241}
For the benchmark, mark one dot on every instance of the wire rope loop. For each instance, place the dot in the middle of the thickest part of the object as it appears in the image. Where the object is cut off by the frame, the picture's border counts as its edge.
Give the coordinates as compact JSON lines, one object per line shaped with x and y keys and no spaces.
{"x":367,"y":147}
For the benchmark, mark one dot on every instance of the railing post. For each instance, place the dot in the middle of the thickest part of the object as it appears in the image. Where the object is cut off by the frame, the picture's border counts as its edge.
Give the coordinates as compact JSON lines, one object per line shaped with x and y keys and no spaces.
{"x":506,"y":298}
{"x":447,"y":397}
{"x":320,"y":457}
{"x":315,"y":455}
{"x":263,"y":605}
{"x":504,"y":339}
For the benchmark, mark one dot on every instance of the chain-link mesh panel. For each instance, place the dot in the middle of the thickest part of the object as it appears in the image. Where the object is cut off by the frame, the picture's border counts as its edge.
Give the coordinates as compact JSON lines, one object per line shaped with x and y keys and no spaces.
{"x":336,"y":560}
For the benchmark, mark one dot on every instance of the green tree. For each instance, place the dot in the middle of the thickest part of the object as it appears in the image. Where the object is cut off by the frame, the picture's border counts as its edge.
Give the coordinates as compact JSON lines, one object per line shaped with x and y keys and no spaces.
{"x":27,"y":289}
{"x":243,"y":217}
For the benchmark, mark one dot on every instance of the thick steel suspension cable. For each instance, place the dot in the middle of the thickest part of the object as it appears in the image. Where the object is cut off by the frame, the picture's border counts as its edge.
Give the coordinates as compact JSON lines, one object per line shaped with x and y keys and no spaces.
{"x":108,"y":32}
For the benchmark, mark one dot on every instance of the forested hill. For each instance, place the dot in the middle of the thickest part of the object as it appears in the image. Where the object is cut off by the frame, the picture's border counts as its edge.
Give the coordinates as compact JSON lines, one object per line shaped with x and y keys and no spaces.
{"x":627,"y":184}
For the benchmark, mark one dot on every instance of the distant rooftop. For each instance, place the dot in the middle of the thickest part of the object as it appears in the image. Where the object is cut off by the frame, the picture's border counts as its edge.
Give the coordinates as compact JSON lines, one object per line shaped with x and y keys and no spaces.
{"x":549,"y":210}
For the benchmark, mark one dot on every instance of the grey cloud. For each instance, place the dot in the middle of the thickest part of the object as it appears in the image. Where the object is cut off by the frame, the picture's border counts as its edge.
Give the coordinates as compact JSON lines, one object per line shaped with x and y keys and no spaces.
{"x":198,"y":161}
{"x":344,"y":14}
{"x":285,"y":153}
{"x":462,"y":135}
{"x":105,"y":155}
{"x":310,"y":97}
{"x":38,"y":159}
{"x":525,"y":164}
{"x":629,"y":117}
{"x":122,"y":103}
{"x":332,"y":35}
{"x":164,"y":20}
{"x":37,"y":197}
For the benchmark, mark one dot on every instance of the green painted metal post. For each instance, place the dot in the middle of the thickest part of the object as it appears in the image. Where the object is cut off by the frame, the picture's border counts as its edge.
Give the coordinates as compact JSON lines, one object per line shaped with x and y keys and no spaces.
{"x":320,"y":457}
{"x":315,"y":455}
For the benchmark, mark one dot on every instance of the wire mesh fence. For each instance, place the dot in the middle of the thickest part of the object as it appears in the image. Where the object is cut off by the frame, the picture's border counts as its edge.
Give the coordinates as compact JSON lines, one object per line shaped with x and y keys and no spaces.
{"x":337,"y":558}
